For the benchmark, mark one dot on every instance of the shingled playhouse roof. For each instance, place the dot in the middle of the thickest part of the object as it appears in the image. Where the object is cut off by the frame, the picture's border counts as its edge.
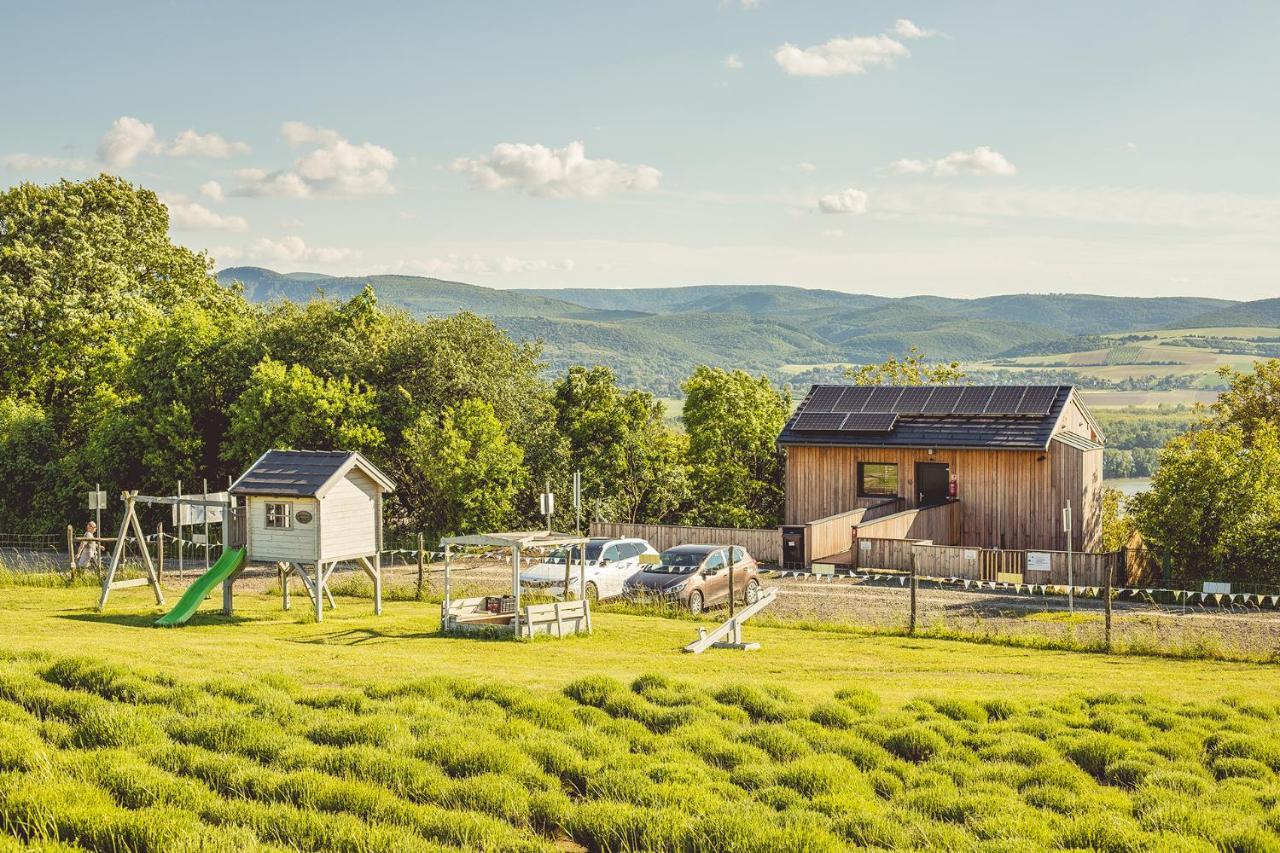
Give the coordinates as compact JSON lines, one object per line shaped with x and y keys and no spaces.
{"x":303,"y":473}
{"x":990,"y":417}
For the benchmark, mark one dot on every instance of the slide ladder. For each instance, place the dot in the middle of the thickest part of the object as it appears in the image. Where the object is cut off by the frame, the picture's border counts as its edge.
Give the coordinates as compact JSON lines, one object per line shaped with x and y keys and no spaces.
{"x":228,"y":564}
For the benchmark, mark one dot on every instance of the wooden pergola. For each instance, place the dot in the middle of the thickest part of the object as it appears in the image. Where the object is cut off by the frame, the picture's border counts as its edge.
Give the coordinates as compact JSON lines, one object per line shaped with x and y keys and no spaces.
{"x":518,"y":542}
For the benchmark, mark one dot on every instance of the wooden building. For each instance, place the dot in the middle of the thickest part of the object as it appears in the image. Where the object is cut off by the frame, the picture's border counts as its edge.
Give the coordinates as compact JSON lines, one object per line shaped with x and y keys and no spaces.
{"x":1011,"y":456}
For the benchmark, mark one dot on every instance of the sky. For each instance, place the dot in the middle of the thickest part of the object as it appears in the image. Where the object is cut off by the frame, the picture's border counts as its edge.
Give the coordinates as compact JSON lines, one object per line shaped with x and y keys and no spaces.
{"x":895,"y":148}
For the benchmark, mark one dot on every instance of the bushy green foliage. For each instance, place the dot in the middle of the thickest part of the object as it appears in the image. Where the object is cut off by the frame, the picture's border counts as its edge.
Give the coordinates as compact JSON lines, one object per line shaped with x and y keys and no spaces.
{"x":108,"y":758}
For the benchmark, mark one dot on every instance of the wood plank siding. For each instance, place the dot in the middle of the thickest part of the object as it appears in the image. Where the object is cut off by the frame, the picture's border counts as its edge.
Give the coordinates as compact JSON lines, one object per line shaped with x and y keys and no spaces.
{"x":349,"y":518}
{"x":294,"y":544}
{"x":1008,"y":498}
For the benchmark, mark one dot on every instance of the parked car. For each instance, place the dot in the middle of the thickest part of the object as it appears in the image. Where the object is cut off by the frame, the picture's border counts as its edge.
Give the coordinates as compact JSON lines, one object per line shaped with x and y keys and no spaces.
{"x":697,"y":577}
{"x":610,"y":564}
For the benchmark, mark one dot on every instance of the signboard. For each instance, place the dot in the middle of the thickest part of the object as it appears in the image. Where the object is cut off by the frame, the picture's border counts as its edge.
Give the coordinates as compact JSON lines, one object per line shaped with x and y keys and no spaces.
{"x":823,"y":568}
{"x":864,"y":546}
{"x":98,"y":500}
{"x":196,"y":539}
{"x":302,"y":516}
{"x":1216,"y":588}
{"x":1039,"y":561}
{"x":189,"y":515}
{"x":971,"y":555}
{"x":546,"y":503}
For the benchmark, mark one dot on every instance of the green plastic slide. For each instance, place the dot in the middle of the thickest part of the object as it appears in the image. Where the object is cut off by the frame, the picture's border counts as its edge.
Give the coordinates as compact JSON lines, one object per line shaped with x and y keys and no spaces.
{"x":190,"y":601}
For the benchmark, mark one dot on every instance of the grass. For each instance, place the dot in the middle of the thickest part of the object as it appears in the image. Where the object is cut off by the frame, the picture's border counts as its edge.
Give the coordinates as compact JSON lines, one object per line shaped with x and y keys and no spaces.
{"x":109,"y":756}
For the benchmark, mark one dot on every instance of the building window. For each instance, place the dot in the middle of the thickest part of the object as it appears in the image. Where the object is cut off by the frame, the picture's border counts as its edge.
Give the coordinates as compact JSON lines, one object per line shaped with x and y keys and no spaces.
{"x":877,"y":479}
{"x":279,"y":516}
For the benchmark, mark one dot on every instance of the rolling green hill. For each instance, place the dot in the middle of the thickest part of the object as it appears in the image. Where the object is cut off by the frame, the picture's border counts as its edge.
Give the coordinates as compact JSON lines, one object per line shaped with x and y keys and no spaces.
{"x":653,"y":337}
{"x":1260,"y":312}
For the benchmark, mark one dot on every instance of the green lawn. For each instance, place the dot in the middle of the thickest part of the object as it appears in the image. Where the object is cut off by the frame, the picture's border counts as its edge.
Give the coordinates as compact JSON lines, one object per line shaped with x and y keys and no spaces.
{"x":366,"y":733}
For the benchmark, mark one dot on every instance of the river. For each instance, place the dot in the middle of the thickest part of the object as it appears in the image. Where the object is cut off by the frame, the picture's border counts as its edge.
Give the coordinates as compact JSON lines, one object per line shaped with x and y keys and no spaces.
{"x":1129,"y":485}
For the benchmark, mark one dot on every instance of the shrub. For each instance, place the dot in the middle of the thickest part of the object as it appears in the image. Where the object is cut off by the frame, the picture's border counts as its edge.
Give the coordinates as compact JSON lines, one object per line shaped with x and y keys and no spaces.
{"x":593,"y":690}
{"x":1093,"y":752}
{"x":915,"y":743}
{"x":762,"y":705}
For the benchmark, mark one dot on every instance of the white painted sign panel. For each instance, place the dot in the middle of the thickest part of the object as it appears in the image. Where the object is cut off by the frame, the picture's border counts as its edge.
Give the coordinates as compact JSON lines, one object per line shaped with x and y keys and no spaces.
{"x":1039,"y":561}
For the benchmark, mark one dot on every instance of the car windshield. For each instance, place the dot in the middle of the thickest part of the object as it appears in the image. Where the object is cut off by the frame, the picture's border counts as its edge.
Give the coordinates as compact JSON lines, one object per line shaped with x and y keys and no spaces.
{"x":677,"y":563}
{"x":593,"y":553}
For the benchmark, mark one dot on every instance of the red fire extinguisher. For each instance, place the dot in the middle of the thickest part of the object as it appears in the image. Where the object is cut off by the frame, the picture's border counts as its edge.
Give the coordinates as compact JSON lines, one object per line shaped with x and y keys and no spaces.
{"x":953,"y":488}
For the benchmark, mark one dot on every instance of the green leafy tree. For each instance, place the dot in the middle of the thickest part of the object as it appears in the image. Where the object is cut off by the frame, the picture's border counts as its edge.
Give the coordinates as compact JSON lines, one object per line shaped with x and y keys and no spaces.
{"x":1214,"y":504}
{"x":87,"y":271}
{"x":736,"y":468}
{"x":1118,"y":526}
{"x":289,"y":406}
{"x":1251,"y":399}
{"x":911,"y":369}
{"x":466,"y":472}
{"x":28,"y":469}
{"x":633,"y":464}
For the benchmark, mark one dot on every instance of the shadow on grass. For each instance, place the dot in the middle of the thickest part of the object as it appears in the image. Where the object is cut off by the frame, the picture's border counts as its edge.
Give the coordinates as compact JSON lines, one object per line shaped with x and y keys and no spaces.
{"x":147,"y":620}
{"x":365,"y":636}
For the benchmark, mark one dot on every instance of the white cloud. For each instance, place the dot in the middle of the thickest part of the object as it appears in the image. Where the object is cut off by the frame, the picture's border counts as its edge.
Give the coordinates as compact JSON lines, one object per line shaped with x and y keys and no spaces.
{"x":845,"y":201}
{"x":840,"y":56}
{"x":555,"y":172}
{"x":806,"y":167}
{"x":733,"y":63}
{"x":908,"y":30}
{"x":222,"y":254}
{"x":980,"y":161}
{"x":333,"y":166}
{"x":212,"y":190}
{"x":192,"y":144}
{"x":187,"y":215}
{"x":40,"y":163}
{"x":293,"y":249}
{"x":125,"y":141}
{"x":1131,"y":147}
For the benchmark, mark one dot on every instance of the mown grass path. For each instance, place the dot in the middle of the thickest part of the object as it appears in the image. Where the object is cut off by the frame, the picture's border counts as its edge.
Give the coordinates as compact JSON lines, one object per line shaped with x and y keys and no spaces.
{"x":353,"y":647}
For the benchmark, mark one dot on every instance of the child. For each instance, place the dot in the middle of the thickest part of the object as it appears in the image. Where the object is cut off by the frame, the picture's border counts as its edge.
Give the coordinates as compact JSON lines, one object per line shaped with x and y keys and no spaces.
{"x":88,"y":553}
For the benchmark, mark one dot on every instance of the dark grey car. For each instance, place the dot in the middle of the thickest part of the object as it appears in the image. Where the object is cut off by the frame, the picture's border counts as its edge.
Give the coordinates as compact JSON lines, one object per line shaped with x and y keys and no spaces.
{"x":697,"y":577}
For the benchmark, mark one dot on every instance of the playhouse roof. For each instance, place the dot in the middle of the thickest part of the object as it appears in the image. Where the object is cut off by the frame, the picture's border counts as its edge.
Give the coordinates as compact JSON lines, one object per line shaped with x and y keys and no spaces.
{"x":303,"y":473}
{"x":990,"y":417}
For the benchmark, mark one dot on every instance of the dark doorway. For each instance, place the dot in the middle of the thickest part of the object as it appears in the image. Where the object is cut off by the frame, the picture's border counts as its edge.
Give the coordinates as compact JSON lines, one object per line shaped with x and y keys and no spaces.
{"x":932,"y":480}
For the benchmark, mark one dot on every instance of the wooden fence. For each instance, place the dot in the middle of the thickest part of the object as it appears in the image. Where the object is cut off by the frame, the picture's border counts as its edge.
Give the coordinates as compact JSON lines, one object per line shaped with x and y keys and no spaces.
{"x":765,"y":544}
{"x":988,"y":564}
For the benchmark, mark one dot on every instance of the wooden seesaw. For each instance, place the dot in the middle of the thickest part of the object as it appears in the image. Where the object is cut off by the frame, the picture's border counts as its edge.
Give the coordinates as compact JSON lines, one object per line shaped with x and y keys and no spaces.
{"x":732,"y":628}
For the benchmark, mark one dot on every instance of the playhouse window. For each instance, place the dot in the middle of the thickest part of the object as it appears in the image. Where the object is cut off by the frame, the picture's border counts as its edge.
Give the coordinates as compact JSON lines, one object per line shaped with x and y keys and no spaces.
{"x":877,"y":479}
{"x":280,"y":516}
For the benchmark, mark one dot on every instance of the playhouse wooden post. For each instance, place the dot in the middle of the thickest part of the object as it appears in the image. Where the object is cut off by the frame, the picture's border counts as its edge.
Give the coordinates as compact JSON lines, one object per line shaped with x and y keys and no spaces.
{"x":377,"y":584}
{"x":283,"y":571}
{"x":319,"y":596}
{"x":444,"y":612}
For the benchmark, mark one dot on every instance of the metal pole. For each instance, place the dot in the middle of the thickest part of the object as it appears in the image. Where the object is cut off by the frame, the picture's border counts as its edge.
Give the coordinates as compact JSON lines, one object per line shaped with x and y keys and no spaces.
{"x":1071,"y":581}
{"x":422,"y":555}
{"x":577,"y":506}
{"x":1108,"y":603}
{"x":71,"y":549}
{"x":205,"y":510}
{"x":97,"y":521}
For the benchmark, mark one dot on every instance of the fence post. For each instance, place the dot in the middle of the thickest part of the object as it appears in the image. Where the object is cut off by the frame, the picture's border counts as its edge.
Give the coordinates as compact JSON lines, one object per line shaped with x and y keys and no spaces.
{"x":71,"y":550}
{"x":1110,"y":570}
{"x":912,"y":625}
{"x":159,"y":549}
{"x":421,"y":561}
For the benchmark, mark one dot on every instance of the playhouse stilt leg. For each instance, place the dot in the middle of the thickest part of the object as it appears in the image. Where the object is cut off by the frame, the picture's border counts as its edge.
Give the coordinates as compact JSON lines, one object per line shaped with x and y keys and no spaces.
{"x":319,"y":596}
{"x":377,"y":584}
{"x":285,"y":571}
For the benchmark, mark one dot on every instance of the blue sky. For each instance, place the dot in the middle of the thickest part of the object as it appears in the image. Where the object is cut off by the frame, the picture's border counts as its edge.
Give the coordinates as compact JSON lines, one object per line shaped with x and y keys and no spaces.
{"x":894,"y":148}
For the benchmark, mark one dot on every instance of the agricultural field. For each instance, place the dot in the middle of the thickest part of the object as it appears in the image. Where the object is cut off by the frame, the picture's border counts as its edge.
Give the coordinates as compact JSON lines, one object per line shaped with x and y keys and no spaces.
{"x":270,"y":731}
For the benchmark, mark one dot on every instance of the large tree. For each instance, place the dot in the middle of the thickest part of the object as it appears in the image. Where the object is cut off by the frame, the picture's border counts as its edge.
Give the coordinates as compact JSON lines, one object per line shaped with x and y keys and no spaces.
{"x":736,"y":468}
{"x":466,"y":472}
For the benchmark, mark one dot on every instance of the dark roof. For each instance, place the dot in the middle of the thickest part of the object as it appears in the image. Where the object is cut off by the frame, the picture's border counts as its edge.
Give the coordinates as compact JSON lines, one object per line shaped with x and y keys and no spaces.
{"x":302,"y":473}
{"x":993,"y":417}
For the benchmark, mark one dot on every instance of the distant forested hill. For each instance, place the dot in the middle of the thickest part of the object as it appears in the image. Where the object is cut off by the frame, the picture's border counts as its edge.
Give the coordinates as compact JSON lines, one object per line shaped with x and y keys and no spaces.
{"x":653,"y":337}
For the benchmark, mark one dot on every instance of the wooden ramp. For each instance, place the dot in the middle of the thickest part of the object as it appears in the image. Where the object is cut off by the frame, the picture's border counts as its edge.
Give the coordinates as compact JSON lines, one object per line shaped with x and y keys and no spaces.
{"x":732,"y":628}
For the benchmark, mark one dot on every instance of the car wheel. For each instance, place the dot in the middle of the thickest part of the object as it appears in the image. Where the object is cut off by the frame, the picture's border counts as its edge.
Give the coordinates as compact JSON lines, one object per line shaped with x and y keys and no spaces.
{"x":752,"y":594}
{"x":695,"y":603}
{"x":593,"y":592}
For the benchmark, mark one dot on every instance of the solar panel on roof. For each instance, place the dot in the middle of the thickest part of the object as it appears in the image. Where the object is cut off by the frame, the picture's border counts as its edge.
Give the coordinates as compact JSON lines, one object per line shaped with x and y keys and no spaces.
{"x":853,"y":399}
{"x":912,"y":400}
{"x":1038,"y":400}
{"x":823,"y":399}
{"x":869,"y":422}
{"x":883,"y":399}
{"x":818,"y":421}
{"x":973,"y":401}
{"x":1005,"y":401}
{"x":942,"y":401}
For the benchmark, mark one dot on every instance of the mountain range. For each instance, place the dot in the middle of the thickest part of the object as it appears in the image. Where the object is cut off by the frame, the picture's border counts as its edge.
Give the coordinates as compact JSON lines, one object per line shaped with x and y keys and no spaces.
{"x":653,"y":337}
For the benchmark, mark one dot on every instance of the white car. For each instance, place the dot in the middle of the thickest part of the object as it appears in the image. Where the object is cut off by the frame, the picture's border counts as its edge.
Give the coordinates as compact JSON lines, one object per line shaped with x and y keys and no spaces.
{"x":610,"y":564}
